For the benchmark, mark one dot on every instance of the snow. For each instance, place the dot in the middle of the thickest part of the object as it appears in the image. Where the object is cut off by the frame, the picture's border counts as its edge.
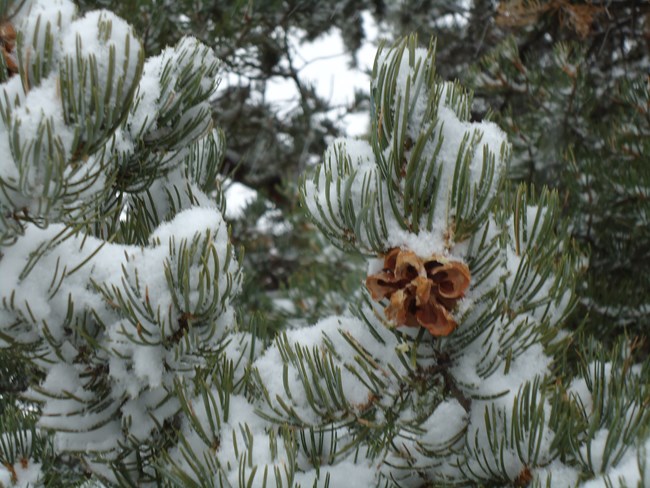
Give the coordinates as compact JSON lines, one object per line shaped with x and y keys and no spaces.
{"x":27,"y":474}
{"x":236,"y":436}
{"x":558,"y":474}
{"x":448,"y":420}
{"x":140,"y":383}
{"x":142,"y":415}
{"x":98,"y":39}
{"x":40,"y":110}
{"x":28,"y":123}
{"x":106,"y":437}
{"x":355,"y":171}
{"x":324,"y":64}
{"x":147,"y":365}
{"x":592,"y":452}
{"x":56,"y":14}
{"x":142,"y":118}
{"x":280,"y":372}
{"x":631,"y":470}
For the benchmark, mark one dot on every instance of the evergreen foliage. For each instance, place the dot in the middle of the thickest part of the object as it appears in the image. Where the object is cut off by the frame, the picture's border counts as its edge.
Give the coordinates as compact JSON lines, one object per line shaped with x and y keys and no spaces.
{"x":266,"y":149}
{"x":571,"y":81}
{"x":103,"y":155}
{"x":132,"y":347}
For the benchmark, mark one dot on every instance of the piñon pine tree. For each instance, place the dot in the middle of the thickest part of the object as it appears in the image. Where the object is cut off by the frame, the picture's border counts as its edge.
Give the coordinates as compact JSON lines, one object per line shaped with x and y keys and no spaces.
{"x":441,"y":372}
{"x":119,"y":283}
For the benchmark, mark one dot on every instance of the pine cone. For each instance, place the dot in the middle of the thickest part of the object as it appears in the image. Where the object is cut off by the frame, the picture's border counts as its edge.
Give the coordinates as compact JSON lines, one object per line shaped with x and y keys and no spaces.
{"x":422,"y":292}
